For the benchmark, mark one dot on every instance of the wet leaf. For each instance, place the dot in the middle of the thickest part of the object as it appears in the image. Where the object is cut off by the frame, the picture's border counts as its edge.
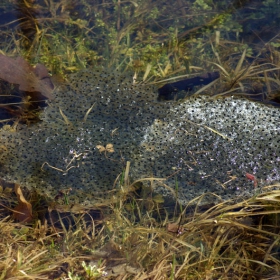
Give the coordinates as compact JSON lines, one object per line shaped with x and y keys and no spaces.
{"x":109,"y":148}
{"x":23,"y":211}
{"x":31,"y":79}
{"x":122,"y":269}
{"x":101,"y":148}
{"x":175,"y":227}
{"x":252,"y":178}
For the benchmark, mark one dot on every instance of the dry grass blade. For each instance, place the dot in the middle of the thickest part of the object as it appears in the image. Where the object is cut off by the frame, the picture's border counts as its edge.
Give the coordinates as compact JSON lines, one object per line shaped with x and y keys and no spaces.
{"x":147,"y":72}
{"x":222,"y":68}
{"x":239,"y":64}
{"x":126,"y":179}
{"x":203,"y":89}
{"x":66,"y":120}
{"x":240,"y":239}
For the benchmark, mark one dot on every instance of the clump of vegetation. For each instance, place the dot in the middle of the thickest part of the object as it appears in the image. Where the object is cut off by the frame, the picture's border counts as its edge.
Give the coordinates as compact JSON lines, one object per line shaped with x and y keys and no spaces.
{"x":161,"y":38}
{"x":132,"y":236}
{"x":159,"y":42}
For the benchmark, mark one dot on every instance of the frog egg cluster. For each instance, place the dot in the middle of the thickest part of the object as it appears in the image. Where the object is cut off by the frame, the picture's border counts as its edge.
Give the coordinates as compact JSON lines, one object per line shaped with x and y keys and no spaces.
{"x":99,"y":120}
{"x":208,"y":145}
{"x":95,"y":108}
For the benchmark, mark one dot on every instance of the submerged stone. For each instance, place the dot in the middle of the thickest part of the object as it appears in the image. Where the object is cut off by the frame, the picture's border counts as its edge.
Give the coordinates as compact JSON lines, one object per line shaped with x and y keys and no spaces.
{"x":99,"y":120}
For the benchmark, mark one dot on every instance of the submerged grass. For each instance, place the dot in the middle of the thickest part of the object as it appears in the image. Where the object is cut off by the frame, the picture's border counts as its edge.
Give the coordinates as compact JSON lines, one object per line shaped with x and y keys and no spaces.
{"x":131,"y":237}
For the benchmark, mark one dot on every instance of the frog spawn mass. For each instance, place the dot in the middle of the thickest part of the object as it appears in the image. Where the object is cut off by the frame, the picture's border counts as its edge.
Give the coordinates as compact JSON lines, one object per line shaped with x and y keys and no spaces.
{"x":99,"y":120}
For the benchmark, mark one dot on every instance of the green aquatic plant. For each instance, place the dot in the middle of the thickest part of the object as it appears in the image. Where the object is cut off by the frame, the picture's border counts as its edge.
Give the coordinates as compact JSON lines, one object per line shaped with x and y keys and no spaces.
{"x":93,"y":271}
